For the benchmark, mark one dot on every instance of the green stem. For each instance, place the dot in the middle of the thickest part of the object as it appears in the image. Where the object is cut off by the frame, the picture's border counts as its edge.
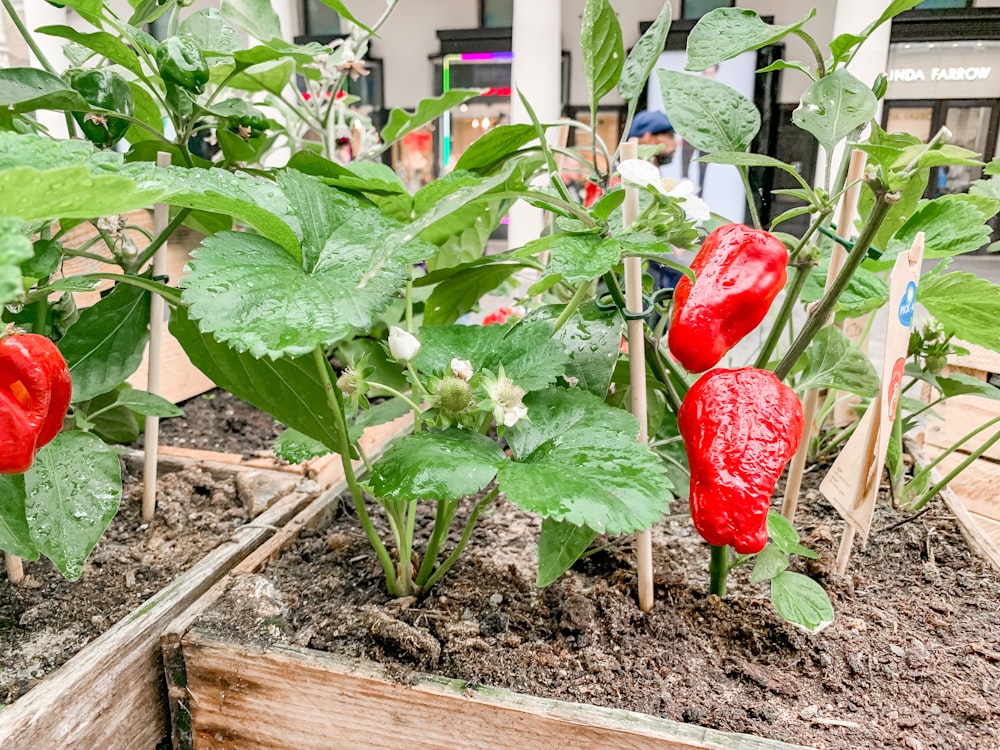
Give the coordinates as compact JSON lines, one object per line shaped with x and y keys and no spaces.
{"x":156,"y":244}
{"x":819,"y":316}
{"x":718,"y":569}
{"x":466,"y":533}
{"x":442,"y":525}
{"x":390,"y":390}
{"x":925,"y":498}
{"x":818,"y":220}
{"x":336,"y":406}
{"x":667,"y":373}
{"x":784,"y":313}
{"x":582,"y":293}
{"x":751,"y":199}
{"x":814,"y":48}
{"x":404,"y":581}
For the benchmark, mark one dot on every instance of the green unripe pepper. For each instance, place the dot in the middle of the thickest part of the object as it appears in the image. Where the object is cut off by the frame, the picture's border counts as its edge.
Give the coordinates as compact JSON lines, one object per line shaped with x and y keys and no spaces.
{"x":105,"y":89}
{"x":252,"y":124}
{"x":181,"y":62}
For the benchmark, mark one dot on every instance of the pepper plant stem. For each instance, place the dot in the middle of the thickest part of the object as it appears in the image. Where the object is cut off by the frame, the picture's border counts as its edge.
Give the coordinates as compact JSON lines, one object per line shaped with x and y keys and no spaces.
{"x":784,"y":314}
{"x":718,"y":569}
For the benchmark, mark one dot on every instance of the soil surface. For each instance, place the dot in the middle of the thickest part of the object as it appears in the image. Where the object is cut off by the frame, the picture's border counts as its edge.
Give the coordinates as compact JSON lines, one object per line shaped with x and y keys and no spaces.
{"x":46,"y":620}
{"x":912,"y":660}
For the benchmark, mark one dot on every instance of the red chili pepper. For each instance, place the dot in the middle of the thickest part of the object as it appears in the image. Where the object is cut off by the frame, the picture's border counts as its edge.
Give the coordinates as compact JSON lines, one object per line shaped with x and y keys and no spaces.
{"x":740,"y":427}
{"x":738,"y":273}
{"x":35,"y":393}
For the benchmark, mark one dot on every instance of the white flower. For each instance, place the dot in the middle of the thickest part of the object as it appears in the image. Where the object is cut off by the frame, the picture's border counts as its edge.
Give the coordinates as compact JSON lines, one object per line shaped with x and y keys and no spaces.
{"x":461,"y":368}
{"x":641,"y":173}
{"x":505,"y":397}
{"x":403,"y":346}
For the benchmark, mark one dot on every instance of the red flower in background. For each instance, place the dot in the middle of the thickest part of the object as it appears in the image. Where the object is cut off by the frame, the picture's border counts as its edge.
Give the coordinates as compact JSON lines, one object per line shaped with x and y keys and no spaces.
{"x":498,"y":316}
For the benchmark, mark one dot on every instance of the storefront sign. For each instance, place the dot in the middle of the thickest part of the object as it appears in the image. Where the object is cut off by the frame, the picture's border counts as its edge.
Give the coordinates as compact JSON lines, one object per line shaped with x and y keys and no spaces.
{"x":910,"y":75}
{"x":944,"y":70}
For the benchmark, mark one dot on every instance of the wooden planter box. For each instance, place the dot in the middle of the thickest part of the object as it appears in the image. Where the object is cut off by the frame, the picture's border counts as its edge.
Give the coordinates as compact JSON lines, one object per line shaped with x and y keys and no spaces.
{"x":230,"y":695}
{"x":111,"y":695}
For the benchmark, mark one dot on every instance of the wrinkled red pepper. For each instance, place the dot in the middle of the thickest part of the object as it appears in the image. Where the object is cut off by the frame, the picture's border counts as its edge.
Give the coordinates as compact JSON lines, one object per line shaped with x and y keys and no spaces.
{"x":738,"y":273}
{"x":35,"y":393}
{"x":740,"y":427}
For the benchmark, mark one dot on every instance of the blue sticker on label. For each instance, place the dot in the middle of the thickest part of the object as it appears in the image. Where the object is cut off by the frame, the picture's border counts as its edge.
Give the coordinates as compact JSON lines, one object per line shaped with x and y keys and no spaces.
{"x":908,"y":304}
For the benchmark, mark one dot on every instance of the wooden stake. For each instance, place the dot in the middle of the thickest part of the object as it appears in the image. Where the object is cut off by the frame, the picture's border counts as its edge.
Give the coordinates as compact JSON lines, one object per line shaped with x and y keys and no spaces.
{"x":161,"y":217}
{"x":637,"y":375}
{"x":15,"y":569}
{"x":845,"y":220}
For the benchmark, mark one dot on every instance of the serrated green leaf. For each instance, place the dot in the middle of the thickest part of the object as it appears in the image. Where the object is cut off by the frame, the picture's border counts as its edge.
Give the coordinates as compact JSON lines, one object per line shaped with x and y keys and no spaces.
{"x":495,"y":146}
{"x":834,"y":361}
{"x":710,"y":115}
{"x":376,"y":182}
{"x":296,"y":448}
{"x":579,"y":258}
{"x":602,"y":49}
{"x":148,"y":404}
{"x":769,"y":562}
{"x":210,"y":32}
{"x":442,"y":465}
{"x":577,"y":460}
{"x":592,"y":339}
{"x":107,"y":342}
{"x":256,"y":17}
{"x":781,"y":532}
{"x":530,"y":357}
{"x":966,"y":305}
{"x":15,"y":536}
{"x":560,"y":544}
{"x":72,"y":492}
{"x":951,"y":225}
{"x":454,"y":297}
{"x":290,"y":390}
{"x":401,"y":122}
{"x":801,"y":601}
{"x":643,"y":56}
{"x":15,"y":249}
{"x":725,"y":33}
{"x":834,"y":106}
{"x":100,"y":42}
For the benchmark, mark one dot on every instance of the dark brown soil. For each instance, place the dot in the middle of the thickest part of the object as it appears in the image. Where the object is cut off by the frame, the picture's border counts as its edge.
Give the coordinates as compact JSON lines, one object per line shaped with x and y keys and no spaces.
{"x":46,"y":620}
{"x":912,"y":661}
{"x":218,"y":421}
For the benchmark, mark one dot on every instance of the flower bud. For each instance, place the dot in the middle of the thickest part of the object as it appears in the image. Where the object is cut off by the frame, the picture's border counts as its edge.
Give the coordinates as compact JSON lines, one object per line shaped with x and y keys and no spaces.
{"x":461,"y":368}
{"x":403,"y":346}
{"x":352,"y":383}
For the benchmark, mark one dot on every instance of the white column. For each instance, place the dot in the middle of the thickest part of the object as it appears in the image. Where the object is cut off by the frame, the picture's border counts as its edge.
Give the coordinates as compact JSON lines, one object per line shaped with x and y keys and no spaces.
{"x":850,"y":17}
{"x":37,"y":13}
{"x":536,"y":72}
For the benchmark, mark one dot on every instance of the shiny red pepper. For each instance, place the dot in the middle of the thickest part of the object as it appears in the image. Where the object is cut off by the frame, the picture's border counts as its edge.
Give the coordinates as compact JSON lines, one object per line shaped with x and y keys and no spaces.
{"x":738,"y":273}
{"x":35,"y":393}
{"x":740,"y":427}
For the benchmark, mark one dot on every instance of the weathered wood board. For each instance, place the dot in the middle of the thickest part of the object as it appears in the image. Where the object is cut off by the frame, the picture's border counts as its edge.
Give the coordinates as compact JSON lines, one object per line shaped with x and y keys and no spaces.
{"x":958,"y":416}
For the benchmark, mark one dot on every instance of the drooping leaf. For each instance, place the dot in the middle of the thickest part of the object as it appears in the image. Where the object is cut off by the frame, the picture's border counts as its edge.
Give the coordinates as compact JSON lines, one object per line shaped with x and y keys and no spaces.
{"x":965,"y":304}
{"x":211,"y":32}
{"x":834,"y":361}
{"x":769,"y":562}
{"x":100,"y":42}
{"x":602,"y":49}
{"x":28,"y":89}
{"x":72,"y":492}
{"x":296,"y":448}
{"x":577,"y":460}
{"x":560,"y":544}
{"x":15,"y":536}
{"x":440,"y":465}
{"x":290,"y":390}
{"x":725,"y":33}
{"x":801,"y":601}
{"x":148,"y":404}
{"x":15,"y":249}
{"x":834,"y":106}
{"x":744,"y":159}
{"x":256,"y":17}
{"x":401,"y":122}
{"x":106,"y":343}
{"x":710,"y":115}
{"x":643,"y":56}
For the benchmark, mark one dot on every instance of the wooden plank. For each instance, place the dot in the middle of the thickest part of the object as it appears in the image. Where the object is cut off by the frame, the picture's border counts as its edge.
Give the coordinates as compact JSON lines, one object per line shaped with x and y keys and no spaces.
{"x":977,"y":486}
{"x":990,"y":527}
{"x":111,"y":694}
{"x":959,"y":415}
{"x":979,"y":358}
{"x":284,"y":697}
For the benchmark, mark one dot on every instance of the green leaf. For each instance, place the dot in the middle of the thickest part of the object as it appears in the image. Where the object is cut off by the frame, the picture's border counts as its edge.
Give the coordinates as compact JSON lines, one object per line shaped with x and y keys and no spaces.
{"x":376,"y":182}
{"x":380,"y":413}
{"x":146,"y":11}
{"x":100,"y":42}
{"x":72,"y":492}
{"x":710,"y":115}
{"x":769,"y":562}
{"x":401,"y":122}
{"x":455,"y":296}
{"x":834,"y":106}
{"x":951,"y":225}
{"x":148,"y":404}
{"x":865,"y":292}
{"x":944,"y":154}
{"x":834,"y":361}
{"x":526,"y":350}
{"x":958,"y":384}
{"x":15,"y":249}
{"x":211,"y":32}
{"x":271,"y":76}
{"x":106,"y":343}
{"x":842,"y":46}
{"x":560,"y":544}
{"x":641,"y":60}
{"x":147,"y":111}
{"x":249,"y":292}
{"x":743,"y":159}
{"x":111,"y":422}
{"x":256,"y":17}
{"x":602,"y":49}
{"x":592,"y":339}
{"x":28,"y":89}
{"x":290,"y":390}
{"x":725,"y":33}
{"x":966,"y":305}
{"x":894,"y":9}
{"x":578,"y":258}
{"x":578,"y":461}
{"x":804,"y":551}
{"x":801,"y":601}
{"x":15,"y":536}
{"x":344,"y":13}
{"x":296,"y":448}
{"x":443,"y":465}
{"x":495,"y":146}
{"x":781,"y":532}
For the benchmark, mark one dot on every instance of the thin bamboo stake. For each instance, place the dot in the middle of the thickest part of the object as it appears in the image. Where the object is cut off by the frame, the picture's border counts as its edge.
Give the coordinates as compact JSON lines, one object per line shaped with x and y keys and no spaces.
{"x":161,"y":217}
{"x":845,"y":221}
{"x":15,"y":569}
{"x":637,"y":374}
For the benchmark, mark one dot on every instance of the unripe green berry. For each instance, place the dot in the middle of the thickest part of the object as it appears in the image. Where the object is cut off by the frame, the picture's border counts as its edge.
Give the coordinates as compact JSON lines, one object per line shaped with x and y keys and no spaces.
{"x":454,"y":396}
